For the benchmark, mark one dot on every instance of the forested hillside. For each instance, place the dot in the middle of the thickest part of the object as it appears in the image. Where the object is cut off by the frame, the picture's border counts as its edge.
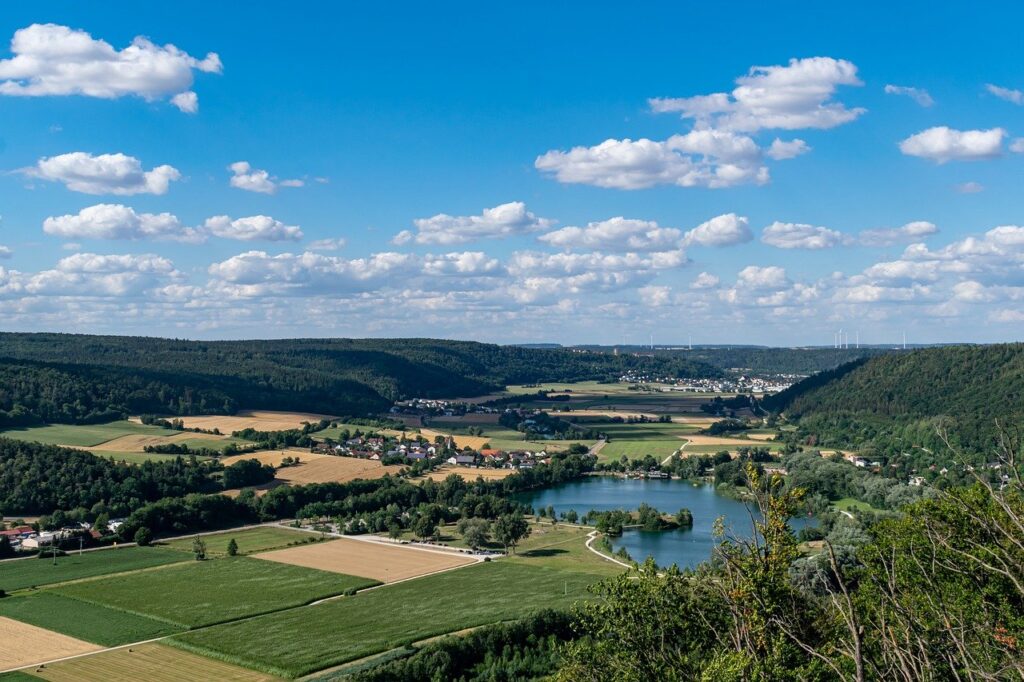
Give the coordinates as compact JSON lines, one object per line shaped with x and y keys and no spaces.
{"x":760,"y":359}
{"x":897,"y":402}
{"x":76,"y":378}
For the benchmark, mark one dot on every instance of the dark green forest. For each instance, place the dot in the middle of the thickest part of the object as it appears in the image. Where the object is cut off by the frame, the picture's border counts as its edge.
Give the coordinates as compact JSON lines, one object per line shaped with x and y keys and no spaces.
{"x":899,"y":403}
{"x":67,"y":378}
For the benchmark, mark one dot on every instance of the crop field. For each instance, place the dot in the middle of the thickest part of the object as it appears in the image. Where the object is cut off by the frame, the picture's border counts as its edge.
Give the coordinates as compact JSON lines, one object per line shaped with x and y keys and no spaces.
{"x":18,"y":574}
{"x":338,"y":432}
{"x":503,"y":438}
{"x":317,"y":468}
{"x":85,"y":435}
{"x":261,"y":420}
{"x":638,"y":449}
{"x":201,"y":593}
{"x":301,"y":641}
{"x":374,"y":560}
{"x":472,"y":419}
{"x":82,"y":620}
{"x":250,"y":540}
{"x":461,"y":441}
{"x":150,"y":662}
{"x":470,"y":473}
{"x":26,"y":644}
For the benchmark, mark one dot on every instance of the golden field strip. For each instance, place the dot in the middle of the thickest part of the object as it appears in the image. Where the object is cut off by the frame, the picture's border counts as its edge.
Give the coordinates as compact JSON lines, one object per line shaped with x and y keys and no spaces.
{"x":368,"y":559}
{"x":25,"y":644}
{"x":261,"y":420}
{"x":470,"y":473}
{"x":475,"y":442}
{"x":137,"y":443}
{"x":150,"y":662}
{"x":317,"y":468}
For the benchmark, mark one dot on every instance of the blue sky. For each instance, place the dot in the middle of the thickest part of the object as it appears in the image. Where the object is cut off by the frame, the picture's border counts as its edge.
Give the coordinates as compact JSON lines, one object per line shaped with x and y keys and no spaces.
{"x":457,"y":171}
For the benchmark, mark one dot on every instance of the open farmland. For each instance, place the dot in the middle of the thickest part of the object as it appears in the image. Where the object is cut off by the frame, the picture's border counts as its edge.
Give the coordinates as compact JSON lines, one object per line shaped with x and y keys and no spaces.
{"x":261,"y":420}
{"x":461,"y":441}
{"x":250,"y":540}
{"x":17,"y":574}
{"x":83,"y":620}
{"x":317,"y":468}
{"x":205,"y":592}
{"x":338,"y":432}
{"x":150,"y":662}
{"x":86,"y":435}
{"x":470,"y":473}
{"x":300,"y":641}
{"x":374,"y":560}
{"x":26,"y":644}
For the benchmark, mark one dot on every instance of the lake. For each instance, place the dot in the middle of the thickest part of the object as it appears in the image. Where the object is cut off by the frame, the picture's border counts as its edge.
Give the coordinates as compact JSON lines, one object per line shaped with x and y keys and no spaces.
{"x":685,"y":547}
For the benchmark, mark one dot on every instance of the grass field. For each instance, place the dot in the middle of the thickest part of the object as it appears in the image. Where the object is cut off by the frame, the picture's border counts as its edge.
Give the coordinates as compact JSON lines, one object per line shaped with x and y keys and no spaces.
{"x":150,"y":662}
{"x":201,"y":593}
{"x":82,"y":620}
{"x":85,"y":435}
{"x":21,"y":573}
{"x":249,"y":541}
{"x":373,"y":560}
{"x":850,"y":504}
{"x":337,"y":432}
{"x":301,"y":641}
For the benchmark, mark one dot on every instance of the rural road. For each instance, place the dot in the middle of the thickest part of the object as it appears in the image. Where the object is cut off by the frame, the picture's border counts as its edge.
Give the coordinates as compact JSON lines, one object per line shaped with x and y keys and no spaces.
{"x":596,"y":447}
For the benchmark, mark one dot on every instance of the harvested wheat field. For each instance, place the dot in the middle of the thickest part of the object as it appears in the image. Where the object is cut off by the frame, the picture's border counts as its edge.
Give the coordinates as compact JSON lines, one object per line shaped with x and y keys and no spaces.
{"x":151,"y":662}
{"x":317,"y":468}
{"x":475,"y":442}
{"x":261,"y":420}
{"x":470,"y":473}
{"x":602,"y":413}
{"x":368,"y":559}
{"x":26,"y":644}
{"x":763,"y":437}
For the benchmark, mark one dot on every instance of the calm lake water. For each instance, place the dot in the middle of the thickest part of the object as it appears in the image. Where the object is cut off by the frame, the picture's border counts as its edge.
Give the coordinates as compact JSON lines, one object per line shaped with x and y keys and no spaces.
{"x":685,"y":547}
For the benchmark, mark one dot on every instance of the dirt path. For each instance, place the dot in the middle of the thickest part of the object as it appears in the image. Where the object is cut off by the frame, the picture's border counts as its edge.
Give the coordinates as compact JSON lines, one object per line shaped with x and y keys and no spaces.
{"x":591,"y":536}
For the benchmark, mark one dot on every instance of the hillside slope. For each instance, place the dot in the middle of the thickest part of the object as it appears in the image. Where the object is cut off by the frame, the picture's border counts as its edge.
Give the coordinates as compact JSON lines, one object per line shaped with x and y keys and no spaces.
{"x":896,"y":402}
{"x":77,"y":378}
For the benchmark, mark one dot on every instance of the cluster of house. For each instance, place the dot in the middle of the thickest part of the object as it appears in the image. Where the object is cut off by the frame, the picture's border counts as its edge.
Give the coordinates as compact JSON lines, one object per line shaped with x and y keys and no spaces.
{"x":27,"y":538}
{"x":431,"y":407}
{"x":378,"y":447}
{"x":741,"y":384}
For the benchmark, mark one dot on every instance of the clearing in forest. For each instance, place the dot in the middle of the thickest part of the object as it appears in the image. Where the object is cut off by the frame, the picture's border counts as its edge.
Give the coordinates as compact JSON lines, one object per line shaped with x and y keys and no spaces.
{"x":376,"y":560}
{"x":26,"y":644}
{"x":261,"y":420}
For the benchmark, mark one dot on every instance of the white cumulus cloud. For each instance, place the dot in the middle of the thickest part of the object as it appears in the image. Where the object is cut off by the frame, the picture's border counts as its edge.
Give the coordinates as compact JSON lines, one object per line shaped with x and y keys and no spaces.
{"x":244,"y":176}
{"x":252,"y":228}
{"x":941,"y":144}
{"x":5,"y":252}
{"x":116,"y":221}
{"x":801,"y":236}
{"x":117,"y":174}
{"x":724,"y":230}
{"x":505,"y":220}
{"x":619,"y":232}
{"x":50,"y":59}
{"x":795,"y":96}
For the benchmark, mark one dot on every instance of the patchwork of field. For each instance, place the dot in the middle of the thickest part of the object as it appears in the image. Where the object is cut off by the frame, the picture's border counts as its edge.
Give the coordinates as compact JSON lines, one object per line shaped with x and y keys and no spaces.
{"x":249,"y":540}
{"x":83,"y":620}
{"x":473,"y":419}
{"x":150,"y":662}
{"x":470,"y":473}
{"x":374,"y":560}
{"x":17,"y":574}
{"x":338,"y":432}
{"x":261,"y":420}
{"x":301,"y":641}
{"x":24,"y":644}
{"x":201,"y":593}
{"x":317,"y":468}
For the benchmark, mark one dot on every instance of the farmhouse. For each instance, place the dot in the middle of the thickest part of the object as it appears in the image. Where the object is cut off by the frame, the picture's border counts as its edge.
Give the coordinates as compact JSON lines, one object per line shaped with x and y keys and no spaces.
{"x":462,"y":459}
